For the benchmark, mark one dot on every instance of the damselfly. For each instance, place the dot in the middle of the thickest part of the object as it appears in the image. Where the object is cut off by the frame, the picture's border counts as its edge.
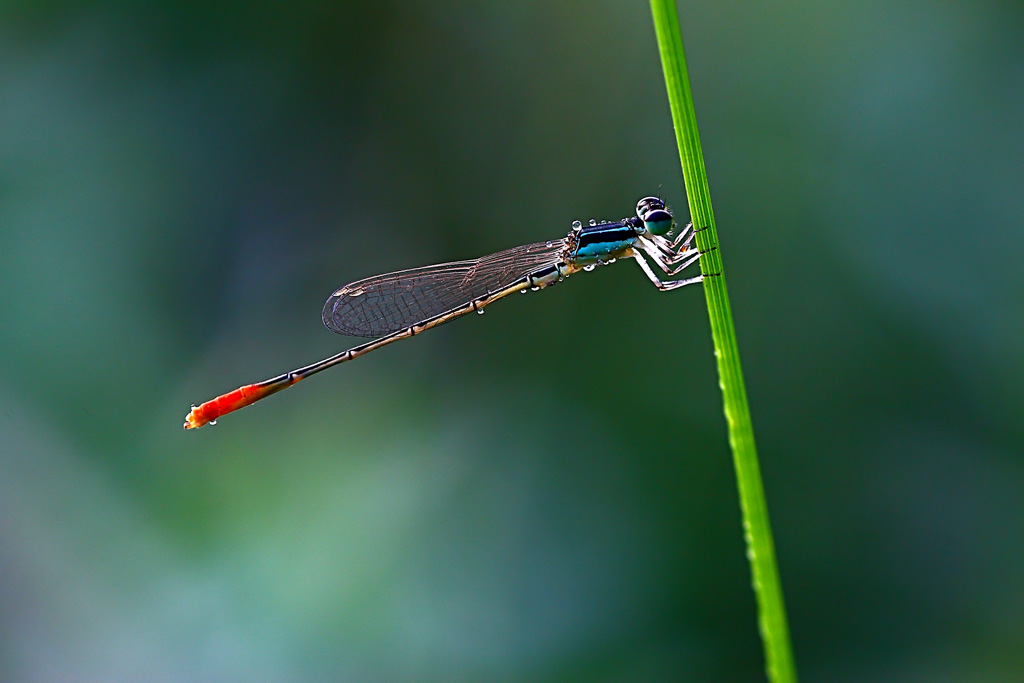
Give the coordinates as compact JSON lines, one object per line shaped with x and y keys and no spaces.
{"x":403,"y":304}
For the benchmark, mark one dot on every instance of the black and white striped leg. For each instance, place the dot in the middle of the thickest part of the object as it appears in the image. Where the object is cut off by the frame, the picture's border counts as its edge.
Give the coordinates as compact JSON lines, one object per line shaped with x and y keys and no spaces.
{"x":681,"y":243}
{"x":662,"y":284}
{"x":689,"y":261}
{"x":686,"y":233}
{"x":672,"y":264}
{"x":667,"y":258}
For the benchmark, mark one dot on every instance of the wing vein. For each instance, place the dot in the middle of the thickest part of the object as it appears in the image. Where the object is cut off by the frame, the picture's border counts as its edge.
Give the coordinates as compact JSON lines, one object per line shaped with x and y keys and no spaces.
{"x":383,"y":304}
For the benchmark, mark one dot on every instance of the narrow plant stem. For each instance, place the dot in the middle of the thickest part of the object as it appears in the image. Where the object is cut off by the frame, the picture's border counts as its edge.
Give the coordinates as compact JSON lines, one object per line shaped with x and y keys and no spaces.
{"x":760,"y":548}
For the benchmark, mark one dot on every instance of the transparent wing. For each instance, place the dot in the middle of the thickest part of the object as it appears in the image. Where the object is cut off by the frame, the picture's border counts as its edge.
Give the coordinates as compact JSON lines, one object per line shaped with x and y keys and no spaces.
{"x":388,"y":303}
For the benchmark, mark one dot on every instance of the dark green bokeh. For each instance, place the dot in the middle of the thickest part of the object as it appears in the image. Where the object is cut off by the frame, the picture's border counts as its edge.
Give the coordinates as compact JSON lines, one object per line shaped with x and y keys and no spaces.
{"x":544,"y":492}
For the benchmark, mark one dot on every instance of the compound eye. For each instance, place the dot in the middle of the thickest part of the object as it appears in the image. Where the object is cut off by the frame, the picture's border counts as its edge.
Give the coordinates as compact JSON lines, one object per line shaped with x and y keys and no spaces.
{"x":648,"y":204}
{"x":658,"y":221}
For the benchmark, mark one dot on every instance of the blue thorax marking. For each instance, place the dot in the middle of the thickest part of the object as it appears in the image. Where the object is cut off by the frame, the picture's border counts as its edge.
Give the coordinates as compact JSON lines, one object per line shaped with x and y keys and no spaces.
{"x":598,"y":242}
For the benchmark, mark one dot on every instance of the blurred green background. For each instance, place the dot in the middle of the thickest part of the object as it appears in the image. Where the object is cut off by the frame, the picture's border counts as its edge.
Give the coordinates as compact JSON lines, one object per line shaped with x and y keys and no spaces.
{"x":545,"y":492}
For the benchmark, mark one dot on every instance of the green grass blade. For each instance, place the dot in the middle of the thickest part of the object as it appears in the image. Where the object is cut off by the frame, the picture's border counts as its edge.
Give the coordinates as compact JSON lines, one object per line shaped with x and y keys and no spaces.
{"x":760,"y":548}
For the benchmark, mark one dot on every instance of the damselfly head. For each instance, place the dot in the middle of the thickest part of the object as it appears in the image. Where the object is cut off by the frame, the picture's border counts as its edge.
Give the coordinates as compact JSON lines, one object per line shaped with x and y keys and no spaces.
{"x":648,"y":204}
{"x":577,"y":226}
{"x":658,"y":222}
{"x":657,"y":219}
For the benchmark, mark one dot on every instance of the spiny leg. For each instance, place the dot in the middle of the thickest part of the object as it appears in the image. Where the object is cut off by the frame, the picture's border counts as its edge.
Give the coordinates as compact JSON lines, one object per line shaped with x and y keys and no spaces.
{"x":669,"y":258}
{"x":670,"y":266}
{"x":680,"y":243}
{"x":661,"y":284}
{"x":678,"y":240}
{"x":685,"y":264}
{"x":671,"y":251}
{"x":654,"y":253}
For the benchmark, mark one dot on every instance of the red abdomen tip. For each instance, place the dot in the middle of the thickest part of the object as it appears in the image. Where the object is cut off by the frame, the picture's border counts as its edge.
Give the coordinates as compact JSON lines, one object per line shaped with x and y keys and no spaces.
{"x":208,"y":412}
